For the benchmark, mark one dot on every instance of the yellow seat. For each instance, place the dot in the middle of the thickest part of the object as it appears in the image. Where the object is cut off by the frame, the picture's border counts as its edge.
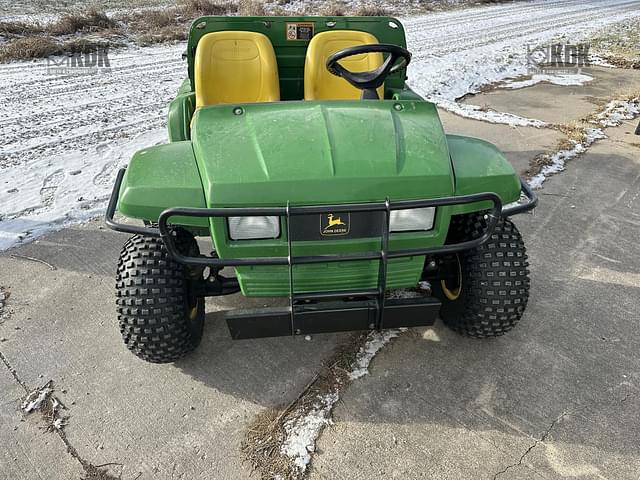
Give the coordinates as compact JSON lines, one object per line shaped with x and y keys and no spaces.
{"x":319,"y":84}
{"x":235,"y":67}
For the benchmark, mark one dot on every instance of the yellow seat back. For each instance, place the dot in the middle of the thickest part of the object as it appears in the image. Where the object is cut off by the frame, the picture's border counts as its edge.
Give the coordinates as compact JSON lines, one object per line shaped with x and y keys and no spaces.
{"x":235,"y":67}
{"x":319,"y":84}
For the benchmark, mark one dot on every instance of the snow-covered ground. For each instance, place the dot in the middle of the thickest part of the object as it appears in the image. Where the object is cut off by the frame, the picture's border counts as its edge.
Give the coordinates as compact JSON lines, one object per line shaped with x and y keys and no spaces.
{"x":63,"y":137}
{"x":458,"y":52}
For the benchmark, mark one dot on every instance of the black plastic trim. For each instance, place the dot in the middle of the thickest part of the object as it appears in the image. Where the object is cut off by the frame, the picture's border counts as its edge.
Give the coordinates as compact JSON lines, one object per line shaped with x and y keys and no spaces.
{"x":530,"y":204}
{"x":111,"y":211}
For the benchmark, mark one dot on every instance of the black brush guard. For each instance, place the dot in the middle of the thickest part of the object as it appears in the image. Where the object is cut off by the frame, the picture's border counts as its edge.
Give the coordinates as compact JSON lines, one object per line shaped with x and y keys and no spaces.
{"x":331,"y":311}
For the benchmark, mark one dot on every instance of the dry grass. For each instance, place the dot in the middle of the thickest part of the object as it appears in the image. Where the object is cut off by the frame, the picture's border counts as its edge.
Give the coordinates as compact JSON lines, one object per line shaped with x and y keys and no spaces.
{"x":85,"y":45}
{"x":261,"y":446}
{"x":619,"y":44}
{"x":89,"y":21}
{"x":71,"y":23}
{"x":172,"y":24}
{"x":95,"y":473}
{"x":334,"y":9}
{"x":574,"y":133}
{"x":29,"y":47}
{"x":154,"y":26}
{"x":536,"y":164}
{"x":45,"y":46}
{"x":577,"y":132}
{"x":622,"y":62}
{"x":162,"y":35}
{"x":376,"y":11}
{"x":251,"y":8}
{"x":11,"y":28}
{"x":195,"y":8}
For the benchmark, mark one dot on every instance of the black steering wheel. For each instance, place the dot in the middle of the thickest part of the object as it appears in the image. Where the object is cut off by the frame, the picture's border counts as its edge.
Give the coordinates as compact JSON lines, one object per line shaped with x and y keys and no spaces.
{"x":368,"y":82}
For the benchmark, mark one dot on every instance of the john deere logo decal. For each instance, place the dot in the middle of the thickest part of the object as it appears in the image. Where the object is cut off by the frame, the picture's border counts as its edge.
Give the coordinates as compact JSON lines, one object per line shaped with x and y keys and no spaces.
{"x":332,"y":225}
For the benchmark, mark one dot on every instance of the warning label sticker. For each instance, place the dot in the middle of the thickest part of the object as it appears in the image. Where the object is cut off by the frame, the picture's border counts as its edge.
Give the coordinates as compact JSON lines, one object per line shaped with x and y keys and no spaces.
{"x":299,"y":31}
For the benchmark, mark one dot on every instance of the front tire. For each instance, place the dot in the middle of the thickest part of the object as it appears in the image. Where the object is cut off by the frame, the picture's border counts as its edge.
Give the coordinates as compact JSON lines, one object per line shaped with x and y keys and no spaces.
{"x":491,"y":293}
{"x":160,"y":320}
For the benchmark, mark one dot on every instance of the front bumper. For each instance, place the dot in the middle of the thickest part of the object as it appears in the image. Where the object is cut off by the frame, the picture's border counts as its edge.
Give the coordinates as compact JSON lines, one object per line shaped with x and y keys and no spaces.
{"x":345,"y":310}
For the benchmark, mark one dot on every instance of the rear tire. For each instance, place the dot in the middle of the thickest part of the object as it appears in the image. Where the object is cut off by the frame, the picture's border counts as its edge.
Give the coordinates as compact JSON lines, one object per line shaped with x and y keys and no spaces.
{"x":160,"y":321}
{"x":492,"y":291}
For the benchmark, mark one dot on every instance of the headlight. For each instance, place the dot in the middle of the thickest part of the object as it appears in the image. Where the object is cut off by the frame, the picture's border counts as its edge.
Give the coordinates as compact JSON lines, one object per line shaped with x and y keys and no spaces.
{"x":252,"y":228}
{"x":412,"y":219}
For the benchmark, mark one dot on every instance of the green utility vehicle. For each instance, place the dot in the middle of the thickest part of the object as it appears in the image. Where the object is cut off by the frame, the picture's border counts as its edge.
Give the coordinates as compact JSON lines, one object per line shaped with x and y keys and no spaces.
{"x":318,"y":175}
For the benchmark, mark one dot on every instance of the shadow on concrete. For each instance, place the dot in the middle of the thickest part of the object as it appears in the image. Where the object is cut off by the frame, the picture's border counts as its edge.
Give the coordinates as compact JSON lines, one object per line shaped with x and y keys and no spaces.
{"x":91,"y":248}
{"x":261,"y":370}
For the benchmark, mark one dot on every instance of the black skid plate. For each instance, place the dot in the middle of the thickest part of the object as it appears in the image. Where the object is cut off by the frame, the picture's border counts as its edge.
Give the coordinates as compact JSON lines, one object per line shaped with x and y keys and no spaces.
{"x":334,"y":316}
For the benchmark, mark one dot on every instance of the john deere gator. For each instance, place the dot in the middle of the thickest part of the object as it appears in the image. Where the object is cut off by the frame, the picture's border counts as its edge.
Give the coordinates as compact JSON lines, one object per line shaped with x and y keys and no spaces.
{"x":300,"y":164}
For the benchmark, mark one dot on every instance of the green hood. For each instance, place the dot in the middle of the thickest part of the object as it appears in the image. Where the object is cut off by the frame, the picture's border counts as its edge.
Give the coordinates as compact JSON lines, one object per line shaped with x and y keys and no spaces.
{"x":321,"y":152}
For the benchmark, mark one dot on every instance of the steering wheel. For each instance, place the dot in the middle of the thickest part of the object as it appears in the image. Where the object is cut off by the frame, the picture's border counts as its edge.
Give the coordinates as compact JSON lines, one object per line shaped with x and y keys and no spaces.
{"x":369,"y":81}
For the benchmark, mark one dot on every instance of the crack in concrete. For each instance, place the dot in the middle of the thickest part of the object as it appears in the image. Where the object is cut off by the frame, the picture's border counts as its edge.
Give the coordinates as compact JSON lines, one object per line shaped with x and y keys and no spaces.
{"x":626,"y":397}
{"x":13,"y":372}
{"x":92,"y":472}
{"x":544,"y":436}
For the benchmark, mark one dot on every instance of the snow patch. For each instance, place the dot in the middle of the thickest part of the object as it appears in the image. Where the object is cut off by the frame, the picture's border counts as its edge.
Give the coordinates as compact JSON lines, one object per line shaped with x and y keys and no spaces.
{"x":599,"y":61}
{"x":475,"y":112}
{"x":431,"y":335}
{"x":42,"y":399}
{"x":560,"y":79}
{"x":36,"y":399}
{"x":64,"y":141}
{"x":374,"y":343}
{"x":617,"y":111}
{"x":558,"y":160}
{"x":302,"y":432}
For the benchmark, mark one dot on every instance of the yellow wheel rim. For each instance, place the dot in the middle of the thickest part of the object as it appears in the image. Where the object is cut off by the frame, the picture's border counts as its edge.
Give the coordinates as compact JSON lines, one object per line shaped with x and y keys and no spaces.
{"x":194,"y":312}
{"x":453,"y":293}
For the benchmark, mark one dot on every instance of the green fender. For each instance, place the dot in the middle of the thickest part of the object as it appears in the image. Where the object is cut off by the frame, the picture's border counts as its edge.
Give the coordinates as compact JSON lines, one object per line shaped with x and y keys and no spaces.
{"x":478,"y":166}
{"x":160,"y":177}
